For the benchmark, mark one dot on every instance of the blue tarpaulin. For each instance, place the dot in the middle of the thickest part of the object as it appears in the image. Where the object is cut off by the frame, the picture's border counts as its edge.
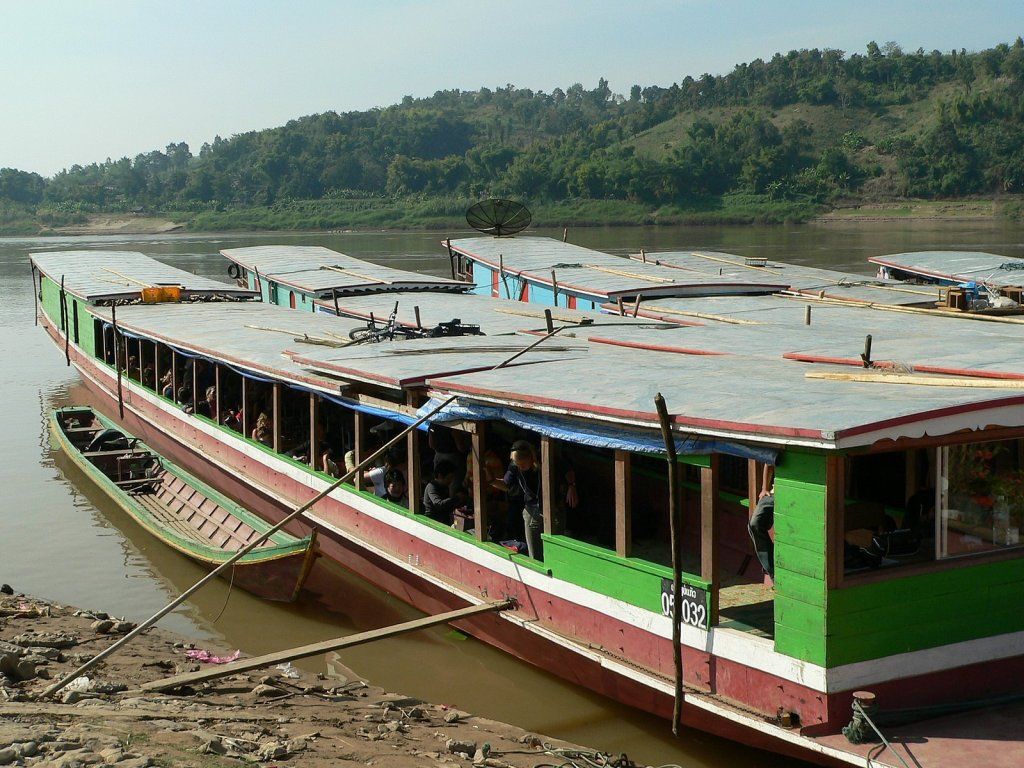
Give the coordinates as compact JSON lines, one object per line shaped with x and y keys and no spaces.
{"x":591,"y":433}
{"x":383,"y":413}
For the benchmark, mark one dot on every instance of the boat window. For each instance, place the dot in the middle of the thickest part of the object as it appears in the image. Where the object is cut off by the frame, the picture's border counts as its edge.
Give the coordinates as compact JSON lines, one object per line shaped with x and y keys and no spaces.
{"x":888,"y":513}
{"x":229,"y":398}
{"x":336,"y":439}
{"x":295,"y":424}
{"x":980,"y":498}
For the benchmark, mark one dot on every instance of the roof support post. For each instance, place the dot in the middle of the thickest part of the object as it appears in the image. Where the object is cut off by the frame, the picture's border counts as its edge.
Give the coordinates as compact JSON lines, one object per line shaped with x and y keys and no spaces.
{"x":361,"y":446}
{"x":554,"y":523}
{"x":709,"y":514}
{"x":246,"y":420}
{"x":156,"y":368}
{"x":414,"y":464}
{"x":195,"y":384}
{"x":315,"y":435}
{"x":479,"y":443}
{"x":835,"y":505}
{"x":276,"y":416}
{"x":216,"y":393}
{"x":623,"y":504}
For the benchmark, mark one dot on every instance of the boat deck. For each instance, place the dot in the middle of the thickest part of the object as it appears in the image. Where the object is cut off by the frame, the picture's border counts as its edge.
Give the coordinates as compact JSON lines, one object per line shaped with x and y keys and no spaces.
{"x":986,"y":737}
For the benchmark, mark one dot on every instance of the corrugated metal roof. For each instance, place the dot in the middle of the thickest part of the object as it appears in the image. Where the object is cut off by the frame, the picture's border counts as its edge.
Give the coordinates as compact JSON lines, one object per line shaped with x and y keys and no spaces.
{"x":318,"y":270}
{"x":812,"y":280}
{"x":251,"y":335}
{"x":406,"y":363}
{"x":958,"y":266}
{"x":601,"y":275}
{"x":104,"y":275}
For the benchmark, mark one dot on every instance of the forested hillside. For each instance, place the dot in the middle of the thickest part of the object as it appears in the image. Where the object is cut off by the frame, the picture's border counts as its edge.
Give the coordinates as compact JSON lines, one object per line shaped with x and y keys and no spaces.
{"x":769,"y":140}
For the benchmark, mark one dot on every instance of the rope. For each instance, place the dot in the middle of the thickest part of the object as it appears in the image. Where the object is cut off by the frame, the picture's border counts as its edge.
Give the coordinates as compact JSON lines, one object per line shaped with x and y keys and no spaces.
{"x":231,"y":584}
{"x":858,"y":708}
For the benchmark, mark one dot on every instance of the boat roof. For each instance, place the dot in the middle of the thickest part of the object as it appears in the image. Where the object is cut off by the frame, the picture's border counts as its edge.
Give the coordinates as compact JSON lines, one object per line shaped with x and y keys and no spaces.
{"x":958,"y":266}
{"x":759,"y":399}
{"x":320,"y":271}
{"x":94,"y":275}
{"x":252,"y":336}
{"x":494,"y":316}
{"x":799,"y":278}
{"x":598,"y":274}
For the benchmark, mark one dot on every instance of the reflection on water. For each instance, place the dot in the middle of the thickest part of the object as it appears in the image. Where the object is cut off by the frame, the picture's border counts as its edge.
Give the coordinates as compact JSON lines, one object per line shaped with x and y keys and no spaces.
{"x":62,"y":538}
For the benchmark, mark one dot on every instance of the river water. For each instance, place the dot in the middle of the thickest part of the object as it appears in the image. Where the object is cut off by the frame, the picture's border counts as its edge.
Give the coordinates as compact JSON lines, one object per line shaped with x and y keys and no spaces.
{"x":60,"y":538}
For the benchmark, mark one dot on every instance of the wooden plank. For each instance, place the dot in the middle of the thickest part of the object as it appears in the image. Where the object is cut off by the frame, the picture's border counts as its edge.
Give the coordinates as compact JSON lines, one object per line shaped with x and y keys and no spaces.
{"x":709,"y":514}
{"x":918,"y":380}
{"x":623,"y":504}
{"x":540,"y":316}
{"x":326,"y":646}
{"x":479,"y":443}
{"x":835,"y":507}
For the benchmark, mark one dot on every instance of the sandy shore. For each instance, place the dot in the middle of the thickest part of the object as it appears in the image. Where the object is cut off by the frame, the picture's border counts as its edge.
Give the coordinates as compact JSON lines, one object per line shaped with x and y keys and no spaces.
{"x":121,"y":225}
{"x":268,"y":716}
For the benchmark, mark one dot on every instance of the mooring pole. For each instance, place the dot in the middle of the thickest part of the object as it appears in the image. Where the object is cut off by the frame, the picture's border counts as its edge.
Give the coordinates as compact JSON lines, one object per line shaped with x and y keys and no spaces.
{"x":67,"y":322}
{"x":451,"y":256}
{"x":334,"y":295}
{"x":273,"y":529}
{"x":676,"y":531}
{"x":117,"y":361}
{"x":35,"y":296}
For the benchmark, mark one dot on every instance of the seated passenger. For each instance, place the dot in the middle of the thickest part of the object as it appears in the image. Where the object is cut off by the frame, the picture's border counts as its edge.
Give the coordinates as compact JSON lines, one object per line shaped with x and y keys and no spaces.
{"x":263,"y":432}
{"x":167,"y":386}
{"x":232,"y":419}
{"x":327,"y":463}
{"x":439,"y":499}
{"x":394,"y":488}
{"x":208,"y":406}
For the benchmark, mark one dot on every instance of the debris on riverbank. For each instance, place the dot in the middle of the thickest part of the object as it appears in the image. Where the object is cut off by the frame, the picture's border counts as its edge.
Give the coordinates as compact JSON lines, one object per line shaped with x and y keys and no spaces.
{"x":268,"y":717}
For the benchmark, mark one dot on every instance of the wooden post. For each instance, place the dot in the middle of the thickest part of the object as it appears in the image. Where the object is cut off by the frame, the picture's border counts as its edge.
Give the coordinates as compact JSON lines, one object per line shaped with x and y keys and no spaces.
{"x":174,"y":376}
{"x":157,"y":387}
{"x":195,"y":384}
{"x":835,"y":504}
{"x":117,"y":361}
{"x":753,"y":484}
{"x":709,"y":477}
{"x":414,"y":464}
{"x":246,"y":419}
{"x":554,"y":524}
{"x":216,"y":392}
{"x":140,"y":360}
{"x":451,"y":256}
{"x":360,"y":437}
{"x":565,"y":234}
{"x":419,"y":322}
{"x":334,"y":295}
{"x":479,"y":442}
{"x":554,"y":287}
{"x":35,"y":302}
{"x":807,"y":315}
{"x":623,"y":504}
{"x":549,"y":321}
{"x":314,"y":429}
{"x":276,"y":416}
{"x":675,"y":512}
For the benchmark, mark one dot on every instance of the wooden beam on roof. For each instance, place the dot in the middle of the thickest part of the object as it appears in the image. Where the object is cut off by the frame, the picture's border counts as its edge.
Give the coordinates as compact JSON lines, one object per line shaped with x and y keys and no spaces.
{"x":969,"y":382}
{"x":623,"y":504}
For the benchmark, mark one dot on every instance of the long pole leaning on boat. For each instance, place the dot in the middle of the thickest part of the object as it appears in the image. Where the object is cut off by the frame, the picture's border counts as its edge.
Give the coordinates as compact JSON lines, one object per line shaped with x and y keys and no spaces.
{"x":274,"y":529}
{"x":117,"y":360}
{"x":676,"y":529}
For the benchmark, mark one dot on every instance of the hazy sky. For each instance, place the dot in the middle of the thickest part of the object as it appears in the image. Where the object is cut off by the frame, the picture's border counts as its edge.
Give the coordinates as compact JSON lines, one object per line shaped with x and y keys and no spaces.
{"x":84,"y":80}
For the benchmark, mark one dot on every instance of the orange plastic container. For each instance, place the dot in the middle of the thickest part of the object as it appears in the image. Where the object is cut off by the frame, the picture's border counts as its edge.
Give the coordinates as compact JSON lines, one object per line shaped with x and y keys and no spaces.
{"x":157,"y":294}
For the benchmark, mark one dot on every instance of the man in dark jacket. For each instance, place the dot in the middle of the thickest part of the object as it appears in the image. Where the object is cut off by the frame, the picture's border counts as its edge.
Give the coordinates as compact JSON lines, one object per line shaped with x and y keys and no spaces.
{"x":440,"y":500}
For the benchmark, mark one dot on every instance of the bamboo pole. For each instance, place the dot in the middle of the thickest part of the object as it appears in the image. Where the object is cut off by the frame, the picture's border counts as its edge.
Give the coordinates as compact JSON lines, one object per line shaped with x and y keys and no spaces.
{"x":554,"y":287}
{"x":295,"y":514}
{"x":451,"y":256}
{"x":35,"y":296}
{"x":906,"y":310}
{"x":504,"y":279}
{"x":326,"y":646}
{"x":65,"y":322}
{"x":676,"y":531}
{"x":334,"y":295}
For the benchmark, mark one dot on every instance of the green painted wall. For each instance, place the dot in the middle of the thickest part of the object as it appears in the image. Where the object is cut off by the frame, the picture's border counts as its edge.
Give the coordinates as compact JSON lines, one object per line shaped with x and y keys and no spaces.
{"x":50,"y":300}
{"x":800,"y":594}
{"x":633,"y":581}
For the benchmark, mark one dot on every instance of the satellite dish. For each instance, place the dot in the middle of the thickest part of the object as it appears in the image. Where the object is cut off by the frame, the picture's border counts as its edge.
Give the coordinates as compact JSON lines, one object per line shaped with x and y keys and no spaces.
{"x":498,"y":217}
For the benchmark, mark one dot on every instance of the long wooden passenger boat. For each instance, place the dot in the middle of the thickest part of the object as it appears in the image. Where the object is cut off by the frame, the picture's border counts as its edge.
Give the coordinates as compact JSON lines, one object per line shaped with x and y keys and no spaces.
{"x":898,"y":562}
{"x":181,"y":511}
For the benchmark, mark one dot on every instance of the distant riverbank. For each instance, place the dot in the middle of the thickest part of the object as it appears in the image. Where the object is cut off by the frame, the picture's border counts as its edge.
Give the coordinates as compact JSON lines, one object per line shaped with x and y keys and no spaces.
{"x":375,"y":214}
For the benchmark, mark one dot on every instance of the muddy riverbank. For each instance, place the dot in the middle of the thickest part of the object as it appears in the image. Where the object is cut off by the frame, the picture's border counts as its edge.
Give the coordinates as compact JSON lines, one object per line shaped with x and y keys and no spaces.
{"x":269,"y":717}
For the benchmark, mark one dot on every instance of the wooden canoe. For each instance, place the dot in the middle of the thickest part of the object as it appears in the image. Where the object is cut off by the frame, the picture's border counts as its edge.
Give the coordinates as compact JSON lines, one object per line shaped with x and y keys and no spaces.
{"x":182,"y":511}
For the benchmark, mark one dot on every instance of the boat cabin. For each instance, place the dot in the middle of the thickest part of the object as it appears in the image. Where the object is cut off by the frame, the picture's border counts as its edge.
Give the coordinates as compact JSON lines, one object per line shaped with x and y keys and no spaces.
{"x":299,"y":276}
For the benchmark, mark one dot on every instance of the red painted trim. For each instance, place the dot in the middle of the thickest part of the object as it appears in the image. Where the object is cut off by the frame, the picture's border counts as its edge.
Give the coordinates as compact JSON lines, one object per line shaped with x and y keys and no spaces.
{"x":654,"y":347}
{"x":937,"y":413}
{"x":889,"y":364}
